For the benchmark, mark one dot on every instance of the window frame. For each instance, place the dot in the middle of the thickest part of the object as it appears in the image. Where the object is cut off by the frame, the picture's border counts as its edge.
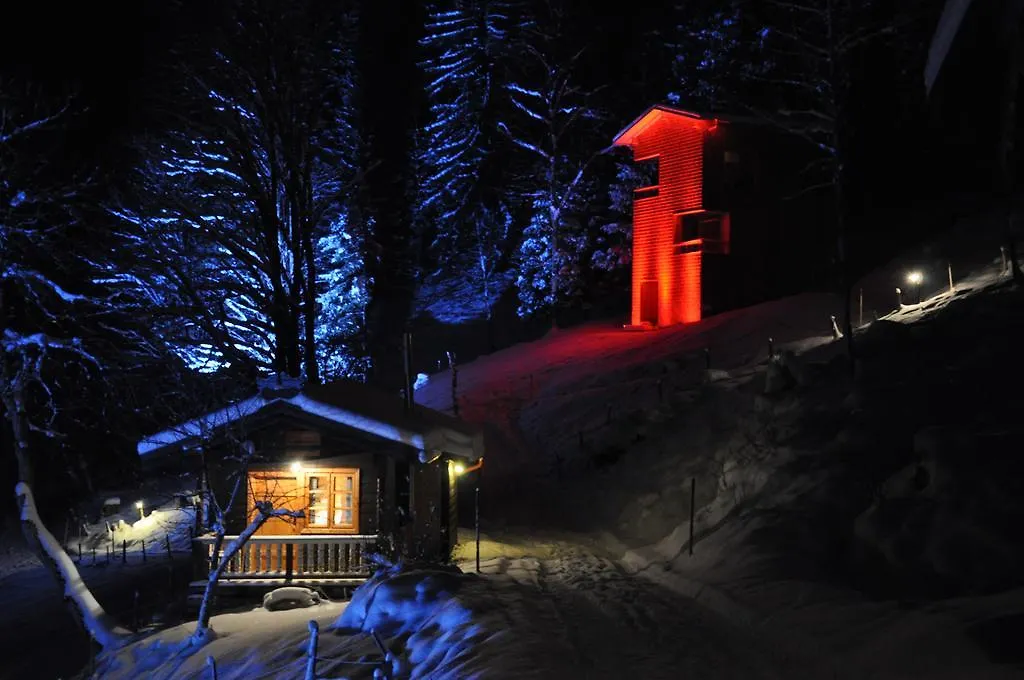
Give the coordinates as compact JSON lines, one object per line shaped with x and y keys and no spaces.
{"x":331,"y":475}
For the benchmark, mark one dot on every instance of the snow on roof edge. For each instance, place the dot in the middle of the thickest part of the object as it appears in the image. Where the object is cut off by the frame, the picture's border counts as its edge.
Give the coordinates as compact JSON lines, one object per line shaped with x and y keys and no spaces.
{"x":443,"y":439}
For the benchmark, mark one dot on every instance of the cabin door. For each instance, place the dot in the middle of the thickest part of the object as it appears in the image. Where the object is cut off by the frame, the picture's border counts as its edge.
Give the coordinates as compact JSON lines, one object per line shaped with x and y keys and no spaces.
{"x":649,"y":302}
{"x":283,"y":490}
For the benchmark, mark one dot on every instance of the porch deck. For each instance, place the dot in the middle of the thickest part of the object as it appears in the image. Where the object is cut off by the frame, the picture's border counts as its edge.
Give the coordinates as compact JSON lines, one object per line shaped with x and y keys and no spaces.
{"x":292,"y":560}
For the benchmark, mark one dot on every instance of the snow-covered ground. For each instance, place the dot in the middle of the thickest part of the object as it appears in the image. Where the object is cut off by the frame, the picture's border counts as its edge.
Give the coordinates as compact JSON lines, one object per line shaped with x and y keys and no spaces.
{"x":845,"y":526}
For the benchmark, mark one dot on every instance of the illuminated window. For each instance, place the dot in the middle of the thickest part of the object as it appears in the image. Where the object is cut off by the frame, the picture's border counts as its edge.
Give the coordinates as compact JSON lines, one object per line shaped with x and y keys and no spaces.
{"x":333,"y":500}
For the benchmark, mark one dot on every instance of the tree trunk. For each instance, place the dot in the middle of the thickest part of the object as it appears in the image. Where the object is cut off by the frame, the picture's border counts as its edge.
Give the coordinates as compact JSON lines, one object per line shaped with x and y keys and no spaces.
{"x":82,"y":605}
{"x":1007,"y":144}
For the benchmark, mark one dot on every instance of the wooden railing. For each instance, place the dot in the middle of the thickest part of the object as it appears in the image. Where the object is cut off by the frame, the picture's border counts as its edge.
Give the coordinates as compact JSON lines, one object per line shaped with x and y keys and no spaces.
{"x":294,"y":557}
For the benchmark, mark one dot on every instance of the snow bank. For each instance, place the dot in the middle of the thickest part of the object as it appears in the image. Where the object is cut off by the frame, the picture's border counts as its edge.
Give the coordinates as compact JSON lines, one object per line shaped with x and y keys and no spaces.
{"x":438,"y":622}
{"x":435,"y":622}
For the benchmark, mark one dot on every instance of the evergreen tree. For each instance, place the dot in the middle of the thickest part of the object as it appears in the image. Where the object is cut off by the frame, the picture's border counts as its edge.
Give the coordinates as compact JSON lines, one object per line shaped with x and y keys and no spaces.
{"x":556,"y":131}
{"x":463,"y":201}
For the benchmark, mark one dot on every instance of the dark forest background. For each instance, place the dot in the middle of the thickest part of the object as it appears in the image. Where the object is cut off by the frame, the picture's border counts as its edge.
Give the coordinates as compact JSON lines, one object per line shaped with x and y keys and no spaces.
{"x":193,"y":193}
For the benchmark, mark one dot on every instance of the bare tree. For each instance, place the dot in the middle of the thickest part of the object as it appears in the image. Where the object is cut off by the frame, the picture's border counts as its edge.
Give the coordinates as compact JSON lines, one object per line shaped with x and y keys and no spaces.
{"x":813,"y":47}
{"x":555,"y":112}
{"x":235,"y":200}
{"x":54,"y":302}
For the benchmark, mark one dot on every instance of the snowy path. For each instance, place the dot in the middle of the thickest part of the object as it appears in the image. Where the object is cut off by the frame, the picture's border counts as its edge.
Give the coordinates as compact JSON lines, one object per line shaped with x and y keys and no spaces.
{"x":617,"y":625}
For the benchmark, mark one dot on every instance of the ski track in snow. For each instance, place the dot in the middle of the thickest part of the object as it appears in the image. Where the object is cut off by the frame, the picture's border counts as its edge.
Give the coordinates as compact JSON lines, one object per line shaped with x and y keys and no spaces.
{"x":619,"y":625}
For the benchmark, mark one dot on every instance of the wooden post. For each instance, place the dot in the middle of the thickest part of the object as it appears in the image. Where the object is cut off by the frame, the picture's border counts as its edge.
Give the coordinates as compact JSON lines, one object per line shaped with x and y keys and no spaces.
{"x":861,"y":307}
{"x":476,"y":524}
{"x":124,"y":552}
{"x":167,"y":544}
{"x":407,"y":364}
{"x":377,"y":510}
{"x":79,"y":552}
{"x":455,"y":383}
{"x":949,"y":268}
{"x":212,"y":665}
{"x":314,"y":637}
{"x":135,"y":610}
{"x":693,"y":508}
{"x":289,"y":553}
{"x":143,"y":551}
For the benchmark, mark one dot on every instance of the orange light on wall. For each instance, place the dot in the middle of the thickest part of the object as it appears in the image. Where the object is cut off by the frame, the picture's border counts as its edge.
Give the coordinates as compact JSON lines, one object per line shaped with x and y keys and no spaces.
{"x":666,"y":274}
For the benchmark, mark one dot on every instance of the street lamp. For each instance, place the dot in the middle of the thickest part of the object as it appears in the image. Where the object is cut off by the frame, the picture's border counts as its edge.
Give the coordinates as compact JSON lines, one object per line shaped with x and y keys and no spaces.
{"x":139,"y":505}
{"x":915,"y":278}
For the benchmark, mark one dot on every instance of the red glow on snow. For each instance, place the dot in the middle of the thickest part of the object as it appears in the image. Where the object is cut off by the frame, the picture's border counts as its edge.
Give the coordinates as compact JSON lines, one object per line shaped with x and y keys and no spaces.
{"x":666,"y":272}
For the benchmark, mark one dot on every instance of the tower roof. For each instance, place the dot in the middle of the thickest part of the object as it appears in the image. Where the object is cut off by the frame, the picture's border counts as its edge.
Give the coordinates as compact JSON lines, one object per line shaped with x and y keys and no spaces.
{"x":628,"y":134}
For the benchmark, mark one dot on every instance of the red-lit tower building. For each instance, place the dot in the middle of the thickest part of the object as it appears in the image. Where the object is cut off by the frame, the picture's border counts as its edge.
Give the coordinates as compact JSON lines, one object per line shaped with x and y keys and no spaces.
{"x":726,"y":220}
{"x":672,"y":228}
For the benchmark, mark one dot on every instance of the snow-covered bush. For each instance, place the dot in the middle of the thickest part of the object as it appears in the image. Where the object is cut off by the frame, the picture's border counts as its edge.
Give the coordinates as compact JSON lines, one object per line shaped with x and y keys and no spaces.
{"x":290,"y":597}
{"x":428,"y":616}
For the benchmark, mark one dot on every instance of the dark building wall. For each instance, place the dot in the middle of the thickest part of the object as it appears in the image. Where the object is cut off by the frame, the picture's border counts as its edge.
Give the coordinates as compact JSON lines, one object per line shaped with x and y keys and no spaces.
{"x":780,"y":233}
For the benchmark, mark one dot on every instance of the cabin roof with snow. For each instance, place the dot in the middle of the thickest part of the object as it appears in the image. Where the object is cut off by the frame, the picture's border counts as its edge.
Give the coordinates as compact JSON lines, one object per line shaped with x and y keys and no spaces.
{"x":343,"y":403}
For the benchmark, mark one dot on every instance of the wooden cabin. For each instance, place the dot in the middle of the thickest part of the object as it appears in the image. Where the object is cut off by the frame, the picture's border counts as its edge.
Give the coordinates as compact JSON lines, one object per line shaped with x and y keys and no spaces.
{"x":714,"y":230}
{"x":365,"y":471}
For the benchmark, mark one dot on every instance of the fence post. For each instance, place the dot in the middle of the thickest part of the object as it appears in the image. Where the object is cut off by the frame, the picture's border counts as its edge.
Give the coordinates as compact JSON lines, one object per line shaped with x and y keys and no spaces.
{"x":212,"y":665}
{"x":314,"y":636}
{"x":289,"y":553}
{"x":143,"y":551}
{"x":476,"y":523}
{"x":167,"y":544}
{"x":693,"y":507}
{"x":124,"y":551}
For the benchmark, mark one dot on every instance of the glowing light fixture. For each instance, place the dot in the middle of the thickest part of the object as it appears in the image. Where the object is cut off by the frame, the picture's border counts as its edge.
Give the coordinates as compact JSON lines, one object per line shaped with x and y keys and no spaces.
{"x":139,"y":505}
{"x":459,"y":468}
{"x":296,"y":466}
{"x":915,"y":278}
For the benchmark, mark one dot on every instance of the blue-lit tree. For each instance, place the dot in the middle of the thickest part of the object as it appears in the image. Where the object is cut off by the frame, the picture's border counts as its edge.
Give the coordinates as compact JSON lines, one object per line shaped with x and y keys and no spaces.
{"x":245,"y":199}
{"x":556,"y":118}
{"x":66,"y":322}
{"x":717,"y":51}
{"x":463,"y":202}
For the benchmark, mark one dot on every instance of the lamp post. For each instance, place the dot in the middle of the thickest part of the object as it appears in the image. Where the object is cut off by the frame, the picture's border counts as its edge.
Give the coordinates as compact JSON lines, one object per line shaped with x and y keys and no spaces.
{"x":915,"y":278}
{"x":142,"y":513}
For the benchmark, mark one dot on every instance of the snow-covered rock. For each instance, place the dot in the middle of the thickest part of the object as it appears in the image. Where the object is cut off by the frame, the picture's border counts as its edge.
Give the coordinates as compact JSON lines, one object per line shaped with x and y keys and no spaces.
{"x":290,"y":597}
